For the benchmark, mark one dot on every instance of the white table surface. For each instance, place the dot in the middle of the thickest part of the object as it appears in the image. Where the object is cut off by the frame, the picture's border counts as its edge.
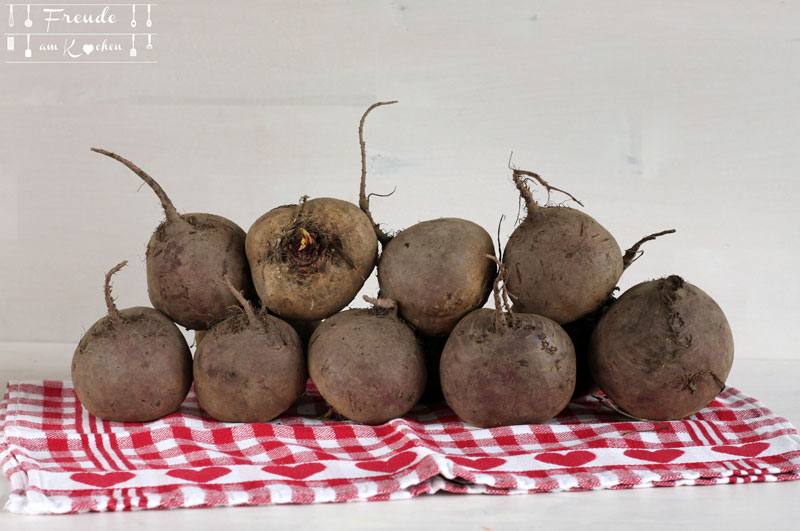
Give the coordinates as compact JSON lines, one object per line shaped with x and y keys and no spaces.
{"x":727,"y":507}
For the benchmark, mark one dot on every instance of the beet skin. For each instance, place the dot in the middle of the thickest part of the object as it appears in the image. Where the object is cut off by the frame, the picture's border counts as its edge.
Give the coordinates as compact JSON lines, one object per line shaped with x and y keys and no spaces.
{"x":522,"y":375}
{"x":663,"y":350}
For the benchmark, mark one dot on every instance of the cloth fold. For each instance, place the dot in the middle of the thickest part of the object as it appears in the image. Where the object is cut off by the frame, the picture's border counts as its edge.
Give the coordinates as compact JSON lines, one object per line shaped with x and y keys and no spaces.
{"x":61,"y":459}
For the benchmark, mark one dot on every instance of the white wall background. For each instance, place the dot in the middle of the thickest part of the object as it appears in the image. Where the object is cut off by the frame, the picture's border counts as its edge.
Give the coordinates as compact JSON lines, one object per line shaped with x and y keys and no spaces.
{"x":655,"y":114}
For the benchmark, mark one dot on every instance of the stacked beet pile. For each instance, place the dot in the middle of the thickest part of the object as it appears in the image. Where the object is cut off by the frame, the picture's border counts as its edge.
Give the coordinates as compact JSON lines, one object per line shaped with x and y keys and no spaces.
{"x":267,"y":305}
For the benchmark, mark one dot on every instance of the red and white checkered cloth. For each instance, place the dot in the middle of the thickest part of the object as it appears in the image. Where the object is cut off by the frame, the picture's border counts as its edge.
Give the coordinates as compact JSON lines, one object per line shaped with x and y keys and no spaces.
{"x":61,"y":459}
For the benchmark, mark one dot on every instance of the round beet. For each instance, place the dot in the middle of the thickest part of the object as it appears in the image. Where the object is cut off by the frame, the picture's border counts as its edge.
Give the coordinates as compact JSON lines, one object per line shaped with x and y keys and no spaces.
{"x":562,"y":263}
{"x":249,"y":368}
{"x":186,"y":257}
{"x":132,"y":365}
{"x":500,"y":368}
{"x":309,"y":260}
{"x":367,"y":363}
{"x":436,"y":270}
{"x":662,"y":351}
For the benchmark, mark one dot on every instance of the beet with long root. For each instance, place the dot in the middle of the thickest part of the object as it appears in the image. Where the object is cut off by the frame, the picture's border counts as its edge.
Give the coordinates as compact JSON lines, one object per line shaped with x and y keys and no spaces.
{"x":501,"y":368}
{"x":249,"y":367}
{"x":436,"y":270}
{"x":662,"y":351}
{"x":187,"y":256}
{"x":562,"y":263}
{"x":133,"y":365}
{"x":367,"y":363}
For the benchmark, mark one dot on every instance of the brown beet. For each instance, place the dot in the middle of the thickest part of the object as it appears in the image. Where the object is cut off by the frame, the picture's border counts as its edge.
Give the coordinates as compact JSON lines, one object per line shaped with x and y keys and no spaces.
{"x":186,"y":257}
{"x":500,"y":369}
{"x":133,"y":365}
{"x":562,"y":263}
{"x":663,"y":350}
{"x":309,"y":260}
{"x":249,"y":368}
{"x":436,"y":270}
{"x":367,"y":363}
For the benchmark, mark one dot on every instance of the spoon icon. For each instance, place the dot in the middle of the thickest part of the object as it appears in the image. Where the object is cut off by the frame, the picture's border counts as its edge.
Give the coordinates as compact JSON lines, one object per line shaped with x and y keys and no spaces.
{"x":149,"y":22}
{"x":133,"y":16}
{"x":149,"y":41}
{"x":11,"y":16}
{"x":28,"y":21}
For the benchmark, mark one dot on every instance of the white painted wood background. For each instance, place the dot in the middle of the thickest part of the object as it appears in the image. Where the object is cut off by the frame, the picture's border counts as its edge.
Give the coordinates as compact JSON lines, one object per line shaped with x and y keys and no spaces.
{"x":655,"y":114}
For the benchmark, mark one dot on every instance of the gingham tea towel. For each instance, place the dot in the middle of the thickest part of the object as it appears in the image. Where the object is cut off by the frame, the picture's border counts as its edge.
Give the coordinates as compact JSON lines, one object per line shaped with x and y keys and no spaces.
{"x":61,"y":459}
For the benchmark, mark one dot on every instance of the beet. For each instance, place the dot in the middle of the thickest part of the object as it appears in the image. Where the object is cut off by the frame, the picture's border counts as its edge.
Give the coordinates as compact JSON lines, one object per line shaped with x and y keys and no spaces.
{"x":186,"y":257}
{"x":562,"y":263}
{"x":133,"y":365}
{"x":501,"y":368}
{"x":662,"y":351}
{"x":367,"y":363}
{"x":309,"y":260}
{"x":248,"y":367}
{"x":436,"y":270}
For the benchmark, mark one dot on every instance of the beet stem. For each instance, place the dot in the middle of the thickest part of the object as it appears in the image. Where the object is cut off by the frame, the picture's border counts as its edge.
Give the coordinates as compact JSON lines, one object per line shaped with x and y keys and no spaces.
{"x":113,"y":312}
{"x":633,"y":254}
{"x":248,"y":308}
{"x":519,"y":179}
{"x":499,"y":245}
{"x":169,"y":208}
{"x":386,"y":304}
{"x":363,"y":198}
{"x":501,"y":301}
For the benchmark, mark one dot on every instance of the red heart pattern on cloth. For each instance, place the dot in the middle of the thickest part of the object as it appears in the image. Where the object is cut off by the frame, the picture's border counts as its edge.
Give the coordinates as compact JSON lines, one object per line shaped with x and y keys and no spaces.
{"x":390,"y":465}
{"x":102,"y":480}
{"x":655,"y":456}
{"x":743,"y":450}
{"x":480,"y":463}
{"x":576,"y":458}
{"x":295,"y":472}
{"x":308,"y":461}
{"x":202,"y":475}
